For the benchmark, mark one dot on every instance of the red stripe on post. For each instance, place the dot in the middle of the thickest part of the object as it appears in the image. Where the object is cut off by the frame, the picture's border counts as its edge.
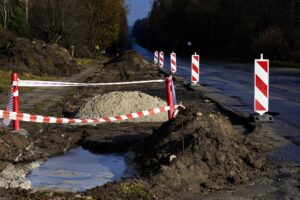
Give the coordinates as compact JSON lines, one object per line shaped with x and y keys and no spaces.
{"x":261,"y":86}
{"x":264,"y":65}
{"x":259,"y":107}
{"x":195,"y":68}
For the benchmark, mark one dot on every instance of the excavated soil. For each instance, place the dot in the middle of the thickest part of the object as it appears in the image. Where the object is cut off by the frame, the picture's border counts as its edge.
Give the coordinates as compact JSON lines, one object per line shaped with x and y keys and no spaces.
{"x":37,"y":57}
{"x":201,"y":151}
{"x":198,"y":151}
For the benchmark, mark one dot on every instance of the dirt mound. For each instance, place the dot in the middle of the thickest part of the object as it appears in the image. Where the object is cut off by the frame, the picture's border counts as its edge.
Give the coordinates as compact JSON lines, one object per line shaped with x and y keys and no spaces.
{"x":211,"y":155}
{"x":37,"y":57}
{"x":119,"y":103}
{"x":129,"y":66}
{"x":130,"y":60}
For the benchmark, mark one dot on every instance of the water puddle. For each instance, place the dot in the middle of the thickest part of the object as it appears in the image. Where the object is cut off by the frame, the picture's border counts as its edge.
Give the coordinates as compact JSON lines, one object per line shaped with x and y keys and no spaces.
{"x":77,"y":170}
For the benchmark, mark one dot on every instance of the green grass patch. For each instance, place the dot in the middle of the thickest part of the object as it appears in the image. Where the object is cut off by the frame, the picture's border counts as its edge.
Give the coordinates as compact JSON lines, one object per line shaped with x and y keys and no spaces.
{"x":5,"y":80}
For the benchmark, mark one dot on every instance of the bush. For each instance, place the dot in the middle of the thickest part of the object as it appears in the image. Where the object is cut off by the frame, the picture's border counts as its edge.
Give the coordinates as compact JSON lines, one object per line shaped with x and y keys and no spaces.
{"x":272,"y":43}
{"x":18,"y":22}
{"x":5,"y":36}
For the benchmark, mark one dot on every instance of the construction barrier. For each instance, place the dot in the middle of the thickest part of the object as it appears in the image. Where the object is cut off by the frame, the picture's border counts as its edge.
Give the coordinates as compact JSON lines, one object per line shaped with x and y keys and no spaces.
{"x":17,"y":116}
{"x":173,"y":63}
{"x":30,"y":83}
{"x":261,"y":82}
{"x":156,"y":57}
{"x":161,"y":59}
{"x":195,"y":69}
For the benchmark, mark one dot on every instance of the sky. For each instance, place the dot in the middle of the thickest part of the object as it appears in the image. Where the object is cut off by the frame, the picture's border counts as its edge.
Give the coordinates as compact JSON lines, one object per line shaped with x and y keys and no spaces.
{"x":138,"y":9}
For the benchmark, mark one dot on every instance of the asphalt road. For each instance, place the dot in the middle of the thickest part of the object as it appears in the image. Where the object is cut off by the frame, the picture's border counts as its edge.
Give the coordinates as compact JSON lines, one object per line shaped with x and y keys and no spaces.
{"x":233,"y":85}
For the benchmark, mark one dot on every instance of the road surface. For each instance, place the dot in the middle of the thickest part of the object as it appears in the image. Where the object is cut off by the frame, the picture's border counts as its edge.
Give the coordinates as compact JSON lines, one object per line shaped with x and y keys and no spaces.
{"x":233,"y":85}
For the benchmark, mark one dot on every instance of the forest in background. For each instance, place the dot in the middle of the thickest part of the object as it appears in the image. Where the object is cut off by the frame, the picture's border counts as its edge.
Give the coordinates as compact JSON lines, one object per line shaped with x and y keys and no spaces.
{"x":89,"y":25}
{"x":234,"y":29}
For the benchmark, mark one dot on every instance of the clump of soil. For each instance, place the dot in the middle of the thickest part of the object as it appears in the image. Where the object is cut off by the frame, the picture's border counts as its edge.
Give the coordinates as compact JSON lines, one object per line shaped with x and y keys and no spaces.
{"x":37,"y":57}
{"x":129,"y":66}
{"x":211,"y":155}
{"x":120,"y":103}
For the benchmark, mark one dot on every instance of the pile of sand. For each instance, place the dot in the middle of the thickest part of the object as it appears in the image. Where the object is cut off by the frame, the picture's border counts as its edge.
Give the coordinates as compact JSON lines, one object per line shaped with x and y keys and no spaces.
{"x":119,"y":103}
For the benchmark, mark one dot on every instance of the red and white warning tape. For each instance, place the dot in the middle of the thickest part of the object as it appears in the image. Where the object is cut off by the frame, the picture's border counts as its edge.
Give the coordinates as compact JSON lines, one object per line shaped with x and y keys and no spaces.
{"x":54,"y":120}
{"x":30,"y":83}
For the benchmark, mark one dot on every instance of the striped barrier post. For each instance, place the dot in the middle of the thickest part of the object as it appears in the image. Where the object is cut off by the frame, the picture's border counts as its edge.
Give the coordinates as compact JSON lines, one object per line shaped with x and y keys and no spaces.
{"x":161,"y":59}
{"x":170,"y":99}
{"x":173,"y":63}
{"x":14,"y":78}
{"x":156,"y":57}
{"x":195,"y":69}
{"x":261,"y":91}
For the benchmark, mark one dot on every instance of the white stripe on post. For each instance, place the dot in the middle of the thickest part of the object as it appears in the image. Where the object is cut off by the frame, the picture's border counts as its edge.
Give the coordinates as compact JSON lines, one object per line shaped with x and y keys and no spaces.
{"x":261,"y":85}
{"x":161,"y":59}
{"x":173,"y":63}
{"x":195,"y":68}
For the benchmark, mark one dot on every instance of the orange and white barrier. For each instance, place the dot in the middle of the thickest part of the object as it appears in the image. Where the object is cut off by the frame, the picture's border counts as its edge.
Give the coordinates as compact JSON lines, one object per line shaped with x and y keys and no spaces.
{"x":261,"y":91}
{"x":161,"y":59}
{"x":195,"y":69}
{"x":173,"y":63}
{"x":156,"y":57}
{"x":54,"y":120}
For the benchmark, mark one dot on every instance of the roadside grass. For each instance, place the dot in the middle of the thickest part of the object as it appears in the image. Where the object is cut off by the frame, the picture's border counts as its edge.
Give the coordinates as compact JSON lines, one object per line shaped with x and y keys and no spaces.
{"x":5,"y":80}
{"x":86,"y":62}
{"x":284,"y":64}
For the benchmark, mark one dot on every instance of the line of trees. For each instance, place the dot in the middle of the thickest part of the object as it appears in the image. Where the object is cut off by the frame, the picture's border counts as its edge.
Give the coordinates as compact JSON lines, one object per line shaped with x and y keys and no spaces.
{"x":89,"y":25}
{"x":223,"y":28}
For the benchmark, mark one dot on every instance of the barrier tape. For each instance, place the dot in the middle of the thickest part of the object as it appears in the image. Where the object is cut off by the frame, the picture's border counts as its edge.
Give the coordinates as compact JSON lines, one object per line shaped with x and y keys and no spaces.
{"x":53,"y":120}
{"x":30,"y":83}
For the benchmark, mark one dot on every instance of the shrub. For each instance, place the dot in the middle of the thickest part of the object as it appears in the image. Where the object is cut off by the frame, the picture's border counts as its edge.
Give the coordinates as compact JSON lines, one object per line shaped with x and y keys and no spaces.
{"x":5,"y":36}
{"x":272,"y":43}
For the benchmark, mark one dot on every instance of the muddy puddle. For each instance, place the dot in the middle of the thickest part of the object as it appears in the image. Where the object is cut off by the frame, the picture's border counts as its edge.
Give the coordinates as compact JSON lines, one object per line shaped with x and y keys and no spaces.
{"x":77,"y":170}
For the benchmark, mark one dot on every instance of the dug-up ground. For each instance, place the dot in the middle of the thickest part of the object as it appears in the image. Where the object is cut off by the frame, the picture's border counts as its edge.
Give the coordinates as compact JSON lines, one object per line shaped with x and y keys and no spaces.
{"x":207,"y":152}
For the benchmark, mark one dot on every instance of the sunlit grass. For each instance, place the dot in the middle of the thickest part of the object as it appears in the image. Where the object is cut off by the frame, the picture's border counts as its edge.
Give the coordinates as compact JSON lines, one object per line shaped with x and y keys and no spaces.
{"x":5,"y":80}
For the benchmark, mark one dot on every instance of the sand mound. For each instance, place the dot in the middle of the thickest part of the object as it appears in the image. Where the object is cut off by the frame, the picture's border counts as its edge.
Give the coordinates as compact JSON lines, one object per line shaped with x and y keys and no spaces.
{"x":119,"y":103}
{"x":213,"y":156}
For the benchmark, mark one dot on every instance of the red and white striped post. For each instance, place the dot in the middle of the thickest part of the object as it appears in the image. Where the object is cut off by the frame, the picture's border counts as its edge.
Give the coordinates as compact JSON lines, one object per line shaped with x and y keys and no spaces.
{"x":173,"y":63}
{"x":195,"y":69}
{"x":170,"y":99}
{"x":261,"y":91}
{"x":14,"y":79}
{"x":156,"y":57}
{"x":161,"y":59}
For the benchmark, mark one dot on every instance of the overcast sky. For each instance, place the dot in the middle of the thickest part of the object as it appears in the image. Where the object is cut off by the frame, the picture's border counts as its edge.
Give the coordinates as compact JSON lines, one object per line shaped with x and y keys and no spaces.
{"x":138,"y":9}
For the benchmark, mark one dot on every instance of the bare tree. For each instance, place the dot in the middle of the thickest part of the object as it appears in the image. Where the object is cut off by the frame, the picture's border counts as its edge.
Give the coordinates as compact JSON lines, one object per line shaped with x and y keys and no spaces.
{"x":5,"y":12}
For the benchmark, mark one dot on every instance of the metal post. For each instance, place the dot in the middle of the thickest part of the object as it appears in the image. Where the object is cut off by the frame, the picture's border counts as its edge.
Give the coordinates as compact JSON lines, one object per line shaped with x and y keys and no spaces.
{"x":14,"y":78}
{"x":170,"y":100}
